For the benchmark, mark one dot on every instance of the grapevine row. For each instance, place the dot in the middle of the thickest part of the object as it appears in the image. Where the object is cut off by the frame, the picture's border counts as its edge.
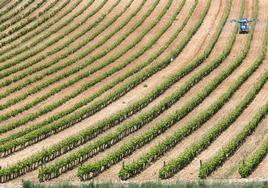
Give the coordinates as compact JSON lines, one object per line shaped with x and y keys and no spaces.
{"x":34,"y":162}
{"x":256,"y":158}
{"x":4,"y":4}
{"x":31,"y":81}
{"x":43,"y":37}
{"x":87,"y":74}
{"x":218,"y":159}
{"x":3,"y":27}
{"x":154,"y":153}
{"x":107,"y":87}
{"x":14,"y":13}
{"x":185,"y":158}
{"x":108,"y":73}
{"x":145,"y":160}
{"x":91,"y":170}
{"x":157,"y":151}
{"x":229,"y":149}
{"x":101,"y":144}
{"x":71,"y":61}
{"x":39,"y":77}
{"x":15,"y":62}
{"x":39,"y":22}
{"x":16,"y":3}
{"x":69,"y":83}
{"x":21,"y":25}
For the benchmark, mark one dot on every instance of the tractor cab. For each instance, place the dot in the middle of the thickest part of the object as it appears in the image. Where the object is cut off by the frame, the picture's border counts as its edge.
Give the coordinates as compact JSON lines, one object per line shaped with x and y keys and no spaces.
{"x":244,"y":27}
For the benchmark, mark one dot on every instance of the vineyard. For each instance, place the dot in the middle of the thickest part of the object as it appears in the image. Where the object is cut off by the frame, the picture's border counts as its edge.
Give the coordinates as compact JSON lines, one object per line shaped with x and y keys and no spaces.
{"x":133,"y":90}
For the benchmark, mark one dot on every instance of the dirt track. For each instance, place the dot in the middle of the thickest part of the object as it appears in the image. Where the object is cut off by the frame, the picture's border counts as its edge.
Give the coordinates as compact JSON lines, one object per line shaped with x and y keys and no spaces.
{"x":71,"y":130}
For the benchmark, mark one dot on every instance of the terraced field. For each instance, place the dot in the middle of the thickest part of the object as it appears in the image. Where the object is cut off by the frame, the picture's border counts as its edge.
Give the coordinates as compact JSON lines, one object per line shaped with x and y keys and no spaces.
{"x":133,"y":90}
